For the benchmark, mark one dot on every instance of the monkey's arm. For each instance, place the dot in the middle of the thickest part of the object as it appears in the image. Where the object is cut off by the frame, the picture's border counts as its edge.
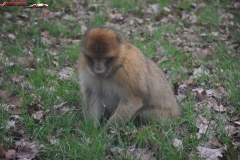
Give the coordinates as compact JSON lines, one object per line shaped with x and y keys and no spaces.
{"x":125,"y":111}
{"x":92,"y":108}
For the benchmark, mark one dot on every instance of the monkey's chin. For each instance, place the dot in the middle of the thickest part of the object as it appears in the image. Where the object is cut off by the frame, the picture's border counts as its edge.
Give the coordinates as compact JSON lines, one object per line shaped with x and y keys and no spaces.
{"x":100,"y":75}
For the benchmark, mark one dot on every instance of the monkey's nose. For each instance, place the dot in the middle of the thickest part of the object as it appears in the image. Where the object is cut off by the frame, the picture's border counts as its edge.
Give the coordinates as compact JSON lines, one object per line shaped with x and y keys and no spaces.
{"x":99,"y":71}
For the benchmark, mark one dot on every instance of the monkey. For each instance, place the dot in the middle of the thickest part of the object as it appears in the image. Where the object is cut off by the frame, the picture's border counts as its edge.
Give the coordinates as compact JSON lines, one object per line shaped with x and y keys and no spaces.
{"x":116,"y":75}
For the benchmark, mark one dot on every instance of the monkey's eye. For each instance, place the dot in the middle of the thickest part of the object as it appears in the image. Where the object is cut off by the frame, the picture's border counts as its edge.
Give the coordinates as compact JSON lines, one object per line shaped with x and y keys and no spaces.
{"x":109,"y":59}
{"x":89,"y":58}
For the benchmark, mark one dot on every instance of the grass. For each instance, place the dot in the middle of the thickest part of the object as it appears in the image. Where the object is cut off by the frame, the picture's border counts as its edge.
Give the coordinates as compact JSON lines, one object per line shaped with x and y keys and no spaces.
{"x":135,"y":6}
{"x":204,"y":16}
{"x":125,"y":5}
{"x":78,"y":139}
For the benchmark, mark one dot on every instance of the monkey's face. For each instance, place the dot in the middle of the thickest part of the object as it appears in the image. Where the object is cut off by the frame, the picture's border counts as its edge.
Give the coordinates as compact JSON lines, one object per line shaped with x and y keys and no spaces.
{"x":101,"y":50}
{"x":100,"y":67}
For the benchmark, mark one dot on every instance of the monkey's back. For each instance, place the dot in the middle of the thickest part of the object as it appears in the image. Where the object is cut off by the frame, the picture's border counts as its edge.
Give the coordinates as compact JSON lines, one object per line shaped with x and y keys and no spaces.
{"x":143,"y":78}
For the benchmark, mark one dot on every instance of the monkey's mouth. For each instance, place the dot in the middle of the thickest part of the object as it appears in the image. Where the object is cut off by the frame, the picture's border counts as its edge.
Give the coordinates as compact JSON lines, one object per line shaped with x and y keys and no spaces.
{"x":104,"y":74}
{"x":100,"y":74}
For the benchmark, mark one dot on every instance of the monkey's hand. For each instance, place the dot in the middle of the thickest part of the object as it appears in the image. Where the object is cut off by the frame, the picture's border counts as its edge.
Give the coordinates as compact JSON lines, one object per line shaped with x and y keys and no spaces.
{"x":125,"y":111}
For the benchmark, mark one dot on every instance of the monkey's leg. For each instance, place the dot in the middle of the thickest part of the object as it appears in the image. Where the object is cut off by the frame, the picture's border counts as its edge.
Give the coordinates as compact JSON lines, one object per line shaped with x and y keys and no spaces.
{"x":124,"y":112}
{"x":155,"y":113}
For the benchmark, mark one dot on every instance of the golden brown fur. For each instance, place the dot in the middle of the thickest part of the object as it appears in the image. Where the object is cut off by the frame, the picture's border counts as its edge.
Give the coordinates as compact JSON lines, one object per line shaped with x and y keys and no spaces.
{"x":128,"y":83}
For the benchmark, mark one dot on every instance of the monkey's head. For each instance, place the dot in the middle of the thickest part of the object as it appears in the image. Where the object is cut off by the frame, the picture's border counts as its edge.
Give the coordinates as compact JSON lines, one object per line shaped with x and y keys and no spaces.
{"x":102,"y":51}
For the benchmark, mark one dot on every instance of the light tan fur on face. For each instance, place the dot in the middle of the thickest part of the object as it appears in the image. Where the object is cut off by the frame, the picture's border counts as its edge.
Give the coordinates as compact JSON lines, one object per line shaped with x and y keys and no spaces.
{"x":132,"y":84}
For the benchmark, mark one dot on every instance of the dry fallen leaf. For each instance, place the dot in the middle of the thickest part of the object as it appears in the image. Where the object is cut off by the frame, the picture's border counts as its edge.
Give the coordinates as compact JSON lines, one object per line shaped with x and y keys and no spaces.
{"x":164,"y":58}
{"x":190,"y":36}
{"x":2,"y":151}
{"x":230,"y":129}
{"x":10,"y":154}
{"x":193,"y":18}
{"x":46,"y":14}
{"x":28,"y":62}
{"x":65,"y":41}
{"x":52,"y":139}
{"x":133,"y":153}
{"x":11,"y":124}
{"x":54,"y":64}
{"x":220,"y":92}
{"x":199,"y":72}
{"x":31,"y":108}
{"x":166,"y":9}
{"x":178,"y":144}
{"x":202,"y":124}
{"x":3,"y":95}
{"x":62,"y":107}
{"x":182,"y":91}
{"x":199,"y":90}
{"x":210,"y":153}
{"x":47,"y":41}
{"x":216,"y":143}
{"x":53,"y":52}
{"x":15,"y":134}
{"x":11,"y":36}
{"x":7,"y":15}
{"x":209,"y":92}
{"x":69,"y":17}
{"x":44,"y":33}
{"x":65,"y":73}
{"x":27,"y":150}
{"x":25,"y":155}
{"x":138,"y":20}
{"x":38,"y":115}
{"x":215,"y":34}
{"x":219,"y":108}
{"x":237,"y":123}
{"x":14,"y":100}
{"x":200,"y":54}
{"x":83,"y":28}
{"x":153,"y":9}
{"x":210,"y":102}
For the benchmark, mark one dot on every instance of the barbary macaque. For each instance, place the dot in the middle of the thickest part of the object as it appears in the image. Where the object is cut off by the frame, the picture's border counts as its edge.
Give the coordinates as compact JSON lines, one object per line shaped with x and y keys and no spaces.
{"x":114,"y":74}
